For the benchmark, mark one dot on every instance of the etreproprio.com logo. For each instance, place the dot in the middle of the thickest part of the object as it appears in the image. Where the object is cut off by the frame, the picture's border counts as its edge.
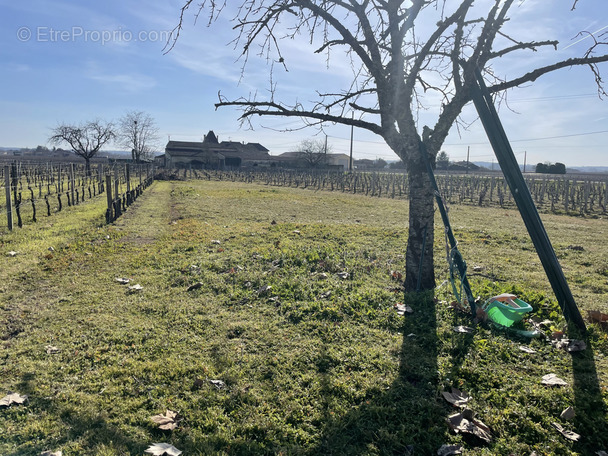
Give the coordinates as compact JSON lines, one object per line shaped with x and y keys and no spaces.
{"x":74,"y":34}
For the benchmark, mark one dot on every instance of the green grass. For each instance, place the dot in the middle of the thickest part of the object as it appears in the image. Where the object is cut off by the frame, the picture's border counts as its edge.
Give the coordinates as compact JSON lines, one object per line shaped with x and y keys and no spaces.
{"x":316,"y":364}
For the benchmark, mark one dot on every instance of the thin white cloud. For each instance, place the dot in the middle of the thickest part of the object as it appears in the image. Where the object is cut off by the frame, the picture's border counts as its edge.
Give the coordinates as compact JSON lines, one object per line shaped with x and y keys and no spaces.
{"x":126,"y":82}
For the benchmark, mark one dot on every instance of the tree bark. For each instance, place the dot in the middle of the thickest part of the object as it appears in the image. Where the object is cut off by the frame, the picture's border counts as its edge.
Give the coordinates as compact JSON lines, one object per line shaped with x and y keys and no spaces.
{"x":419,"y":270}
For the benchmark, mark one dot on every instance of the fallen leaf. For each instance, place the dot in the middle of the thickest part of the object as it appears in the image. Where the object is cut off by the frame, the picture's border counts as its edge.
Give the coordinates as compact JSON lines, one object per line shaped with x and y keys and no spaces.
{"x":525,"y":349}
{"x":568,"y":414}
{"x":402,"y":309}
{"x":457,"y":398}
{"x":195,"y":286}
{"x":52,"y":350}
{"x":264,"y":289}
{"x":571,"y":345}
{"x":12,"y":398}
{"x":449,"y":450}
{"x":595,"y":316}
{"x":216,"y":242}
{"x":159,"y":449}
{"x":168,"y":421}
{"x":568,"y":434}
{"x":342,"y":275}
{"x":136,"y":287}
{"x":322,"y":275}
{"x":396,"y":275}
{"x":553,"y":380}
{"x":465,"y":422}
{"x":463,"y":329}
{"x":219,"y":384}
{"x":296,"y":231}
{"x":12,"y":253}
{"x":122,"y":280}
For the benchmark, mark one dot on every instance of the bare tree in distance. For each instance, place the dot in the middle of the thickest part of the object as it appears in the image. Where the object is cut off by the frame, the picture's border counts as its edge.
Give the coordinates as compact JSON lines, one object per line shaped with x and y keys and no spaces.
{"x":406,"y":57}
{"x":312,"y":152}
{"x":85,"y":139}
{"x":137,"y":132}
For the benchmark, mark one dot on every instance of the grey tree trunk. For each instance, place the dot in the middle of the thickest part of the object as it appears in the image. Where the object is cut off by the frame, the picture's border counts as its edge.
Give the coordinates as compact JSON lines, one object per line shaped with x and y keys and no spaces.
{"x":419,"y":271}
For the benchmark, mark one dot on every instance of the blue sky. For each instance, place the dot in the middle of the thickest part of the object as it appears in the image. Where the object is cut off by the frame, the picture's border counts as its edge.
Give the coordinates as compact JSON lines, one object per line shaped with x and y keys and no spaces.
{"x":68,"y":61}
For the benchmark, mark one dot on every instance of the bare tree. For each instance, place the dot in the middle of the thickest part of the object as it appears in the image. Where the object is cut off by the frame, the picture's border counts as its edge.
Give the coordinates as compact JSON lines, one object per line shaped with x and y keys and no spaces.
{"x":312,"y":153}
{"x":406,"y":56}
{"x":137,"y":131}
{"x":85,"y":139}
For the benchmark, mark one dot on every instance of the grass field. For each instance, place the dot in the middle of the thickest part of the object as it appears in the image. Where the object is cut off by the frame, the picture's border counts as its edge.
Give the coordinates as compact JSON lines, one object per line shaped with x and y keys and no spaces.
{"x":267,"y":320}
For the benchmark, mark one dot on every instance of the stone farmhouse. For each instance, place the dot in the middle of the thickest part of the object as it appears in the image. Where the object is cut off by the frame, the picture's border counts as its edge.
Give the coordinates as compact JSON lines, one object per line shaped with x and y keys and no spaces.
{"x":212,"y":154}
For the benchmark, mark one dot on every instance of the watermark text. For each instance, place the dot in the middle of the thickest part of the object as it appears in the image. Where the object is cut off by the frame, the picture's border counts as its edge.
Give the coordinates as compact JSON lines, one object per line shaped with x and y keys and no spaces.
{"x":80,"y":34}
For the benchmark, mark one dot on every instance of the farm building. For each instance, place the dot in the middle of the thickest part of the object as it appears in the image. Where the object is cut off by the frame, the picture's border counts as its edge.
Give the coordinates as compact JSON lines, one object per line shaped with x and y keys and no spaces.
{"x":211,"y":153}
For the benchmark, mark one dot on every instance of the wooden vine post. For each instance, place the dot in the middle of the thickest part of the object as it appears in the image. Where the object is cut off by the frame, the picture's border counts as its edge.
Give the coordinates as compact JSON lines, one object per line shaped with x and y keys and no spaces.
{"x":109,"y":212}
{"x":9,"y":206}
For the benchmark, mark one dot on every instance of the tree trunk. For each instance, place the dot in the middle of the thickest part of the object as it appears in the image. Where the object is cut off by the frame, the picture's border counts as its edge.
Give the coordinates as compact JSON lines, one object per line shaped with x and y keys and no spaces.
{"x":88,"y":166}
{"x":419,"y":271}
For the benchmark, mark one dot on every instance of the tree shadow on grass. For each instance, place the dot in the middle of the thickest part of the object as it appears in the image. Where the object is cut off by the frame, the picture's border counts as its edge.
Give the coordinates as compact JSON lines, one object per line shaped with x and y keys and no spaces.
{"x":79,"y":426}
{"x":591,"y":411}
{"x":407,"y":418}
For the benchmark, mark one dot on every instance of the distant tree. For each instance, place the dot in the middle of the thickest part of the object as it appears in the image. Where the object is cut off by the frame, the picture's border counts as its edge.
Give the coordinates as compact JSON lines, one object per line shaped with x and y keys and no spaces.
{"x":443,"y":160}
{"x":397,"y":165}
{"x":138,"y":133}
{"x":85,"y":139}
{"x":380,"y":163}
{"x":312,"y":152}
{"x":551,"y":168}
{"x":557,"y":168}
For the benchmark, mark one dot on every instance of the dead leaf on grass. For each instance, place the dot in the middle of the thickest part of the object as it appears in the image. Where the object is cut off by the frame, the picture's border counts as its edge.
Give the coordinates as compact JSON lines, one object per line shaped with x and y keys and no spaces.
{"x":12,"y":253}
{"x":216,"y":242}
{"x":12,"y":398}
{"x":396,"y":275}
{"x":168,"y":421}
{"x":325,"y":294}
{"x":52,"y":350}
{"x":463,"y":329}
{"x":264,"y":289}
{"x":457,"y":398}
{"x":136,"y":287}
{"x":122,"y":280}
{"x":525,"y":349}
{"x":568,"y":414}
{"x":219,"y":384}
{"x":566,"y":433}
{"x":343,"y":275}
{"x":553,"y":380}
{"x":465,"y":422}
{"x":449,"y":450}
{"x":195,"y":286}
{"x":595,"y":316}
{"x":402,"y":309}
{"x":570,"y":345}
{"x":160,"y":449}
